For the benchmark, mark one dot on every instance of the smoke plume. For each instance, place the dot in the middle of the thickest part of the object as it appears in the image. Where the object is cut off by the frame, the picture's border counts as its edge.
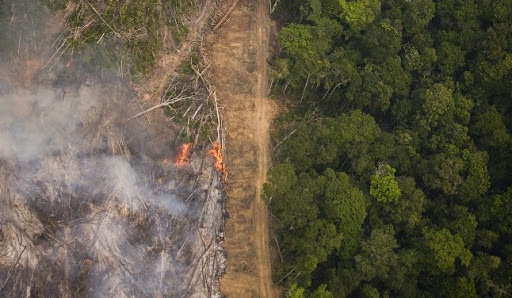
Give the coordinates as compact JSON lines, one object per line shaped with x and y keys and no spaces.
{"x":90,"y":207}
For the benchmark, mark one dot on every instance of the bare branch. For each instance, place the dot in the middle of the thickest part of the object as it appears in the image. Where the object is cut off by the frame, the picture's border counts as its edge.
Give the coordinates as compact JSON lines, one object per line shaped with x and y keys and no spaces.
{"x":225,"y":18}
{"x":284,"y":139}
{"x":293,"y":269}
{"x":102,"y":19}
{"x":163,"y":104}
{"x":273,"y":7}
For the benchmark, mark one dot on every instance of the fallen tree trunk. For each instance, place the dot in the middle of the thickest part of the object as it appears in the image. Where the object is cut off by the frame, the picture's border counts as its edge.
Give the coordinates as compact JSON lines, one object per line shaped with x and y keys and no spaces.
{"x":224,"y":19}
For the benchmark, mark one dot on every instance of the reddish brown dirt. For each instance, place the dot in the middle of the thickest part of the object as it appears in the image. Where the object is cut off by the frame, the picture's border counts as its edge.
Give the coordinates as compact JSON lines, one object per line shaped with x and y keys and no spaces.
{"x":238,"y":53}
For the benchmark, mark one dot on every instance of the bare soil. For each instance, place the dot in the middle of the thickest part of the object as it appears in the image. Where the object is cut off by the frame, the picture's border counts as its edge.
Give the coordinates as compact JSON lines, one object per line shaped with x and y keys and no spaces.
{"x":238,"y":53}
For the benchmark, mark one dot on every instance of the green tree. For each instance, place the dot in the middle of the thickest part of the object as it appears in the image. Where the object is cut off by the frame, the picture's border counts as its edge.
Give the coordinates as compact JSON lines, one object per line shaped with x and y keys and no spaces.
{"x":494,"y":62}
{"x":421,"y":85}
{"x":374,"y":92}
{"x":291,"y":198}
{"x":295,"y":291}
{"x":300,"y":45}
{"x":451,"y":58}
{"x":500,"y":213}
{"x":358,"y":14}
{"x":312,"y":246}
{"x":419,"y":60}
{"x":377,"y":254}
{"x":481,"y":267}
{"x":344,"y":72}
{"x":281,"y":179}
{"x":356,"y":132}
{"x":405,"y":272}
{"x":406,"y":213}
{"x":320,"y":144}
{"x":307,"y":48}
{"x":313,"y":144}
{"x":381,"y":40}
{"x":356,"y":129}
{"x":401,"y":150}
{"x":321,"y":292}
{"x":461,"y":222}
{"x":345,"y":205}
{"x":370,"y":292}
{"x":459,"y":287}
{"x":492,"y":135}
{"x":443,"y":172}
{"x":380,"y":82}
{"x":490,"y":130}
{"x":417,"y":15}
{"x":442,"y":250}
{"x":436,"y":101}
{"x":383,"y":185}
{"x":477,"y":180}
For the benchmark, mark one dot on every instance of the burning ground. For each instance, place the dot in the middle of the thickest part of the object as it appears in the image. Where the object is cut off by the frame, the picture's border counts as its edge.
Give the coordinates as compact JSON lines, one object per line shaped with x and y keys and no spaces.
{"x":90,"y":204}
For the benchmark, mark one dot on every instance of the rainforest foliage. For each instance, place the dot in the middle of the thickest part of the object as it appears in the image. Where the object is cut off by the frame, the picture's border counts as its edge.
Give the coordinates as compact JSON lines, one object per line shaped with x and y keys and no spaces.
{"x":393,"y":151}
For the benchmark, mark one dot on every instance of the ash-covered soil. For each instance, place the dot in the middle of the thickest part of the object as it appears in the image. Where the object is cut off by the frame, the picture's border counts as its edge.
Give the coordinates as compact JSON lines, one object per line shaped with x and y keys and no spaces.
{"x":92,"y":203}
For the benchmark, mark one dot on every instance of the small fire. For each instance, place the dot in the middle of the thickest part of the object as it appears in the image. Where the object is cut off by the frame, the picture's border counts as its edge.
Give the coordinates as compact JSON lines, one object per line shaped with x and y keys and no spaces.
{"x":184,"y":154}
{"x":217,"y":155}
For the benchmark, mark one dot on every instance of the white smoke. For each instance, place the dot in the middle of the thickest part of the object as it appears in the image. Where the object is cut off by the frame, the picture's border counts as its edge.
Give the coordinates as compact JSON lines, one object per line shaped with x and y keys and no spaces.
{"x":93,"y":200}
{"x":88,"y":208}
{"x":35,"y":123}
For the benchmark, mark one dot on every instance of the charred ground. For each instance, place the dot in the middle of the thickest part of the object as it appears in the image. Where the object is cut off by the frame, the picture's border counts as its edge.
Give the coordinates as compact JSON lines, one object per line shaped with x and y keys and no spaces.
{"x":92,"y":202}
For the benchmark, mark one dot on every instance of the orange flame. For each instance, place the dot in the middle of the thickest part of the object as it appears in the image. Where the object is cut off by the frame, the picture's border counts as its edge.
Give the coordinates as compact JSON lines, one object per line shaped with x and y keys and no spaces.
{"x":217,"y":155}
{"x":184,"y":154}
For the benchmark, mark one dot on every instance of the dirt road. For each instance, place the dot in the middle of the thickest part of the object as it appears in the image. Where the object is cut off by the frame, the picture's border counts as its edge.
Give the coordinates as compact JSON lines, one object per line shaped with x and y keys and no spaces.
{"x":238,"y":53}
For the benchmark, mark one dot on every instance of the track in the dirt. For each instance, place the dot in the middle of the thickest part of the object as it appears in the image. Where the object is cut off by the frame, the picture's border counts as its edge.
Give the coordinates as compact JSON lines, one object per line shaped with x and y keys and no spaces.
{"x":238,"y":52}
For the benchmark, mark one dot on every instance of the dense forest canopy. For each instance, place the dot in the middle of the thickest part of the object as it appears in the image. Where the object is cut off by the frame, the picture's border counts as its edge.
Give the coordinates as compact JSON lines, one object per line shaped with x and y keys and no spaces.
{"x":393,"y":152}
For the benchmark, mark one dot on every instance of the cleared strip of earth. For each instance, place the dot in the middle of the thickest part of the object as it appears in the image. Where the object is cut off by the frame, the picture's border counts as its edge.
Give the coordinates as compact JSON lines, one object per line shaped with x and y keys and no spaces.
{"x":238,"y":52}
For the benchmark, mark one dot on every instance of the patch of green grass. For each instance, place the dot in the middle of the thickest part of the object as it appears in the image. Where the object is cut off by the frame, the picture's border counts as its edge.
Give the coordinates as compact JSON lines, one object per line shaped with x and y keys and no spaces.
{"x":134,"y":26}
{"x":205,"y":134}
{"x":136,"y":39}
{"x":176,"y":9}
{"x":180,"y":6}
{"x":179,"y":30}
{"x":54,"y":4}
{"x":186,"y":65}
